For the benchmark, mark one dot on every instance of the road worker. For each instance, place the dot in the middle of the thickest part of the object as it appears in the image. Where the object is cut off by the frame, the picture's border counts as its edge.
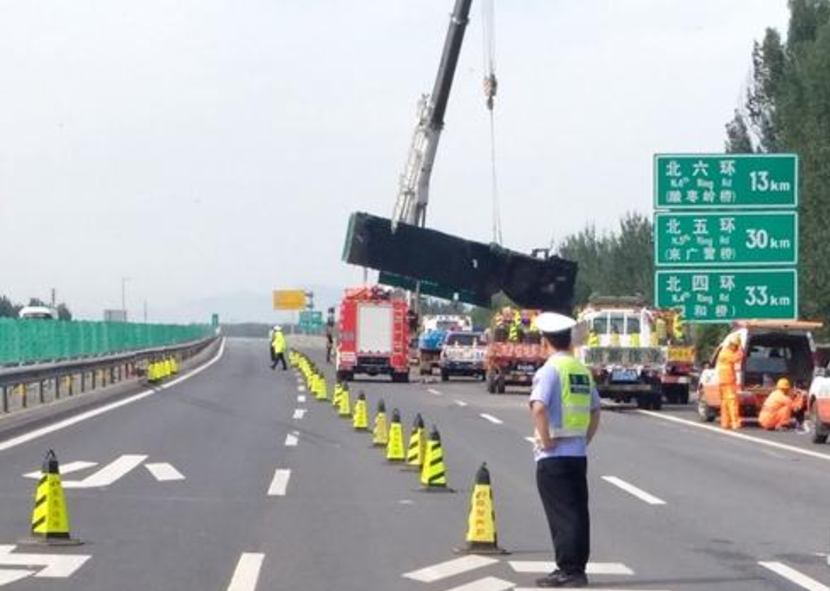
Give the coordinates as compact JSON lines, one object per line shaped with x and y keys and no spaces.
{"x":593,"y":339}
{"x":677,"y":331}
{"x":565,"y":411}
{"x":278,"y":346}
{"x":615,"y":337}
{"x":730,"y":408}
{"x":780,"y":407}
{"x":516,"y":331}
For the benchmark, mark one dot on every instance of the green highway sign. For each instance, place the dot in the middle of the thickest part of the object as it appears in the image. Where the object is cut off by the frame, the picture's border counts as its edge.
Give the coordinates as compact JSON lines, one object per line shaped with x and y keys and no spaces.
{"x":311,"y":321}
{"x":724,"y":295}
{"x":721,"y":239}
{"x":694,"y":181}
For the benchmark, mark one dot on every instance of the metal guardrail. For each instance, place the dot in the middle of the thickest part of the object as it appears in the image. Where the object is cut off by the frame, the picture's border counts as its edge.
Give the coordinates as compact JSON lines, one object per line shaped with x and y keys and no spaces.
{"x":53,"y":381}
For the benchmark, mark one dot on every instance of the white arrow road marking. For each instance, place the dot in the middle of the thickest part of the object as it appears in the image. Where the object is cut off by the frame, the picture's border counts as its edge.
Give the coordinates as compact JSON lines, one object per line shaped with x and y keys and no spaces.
{"x":299,"y":413}
{"x":10,"y":576}
{"x":109,"y":473}
{"x":246,"y":575}
{"x":491,"y":418}
{"x":633,"y":490}
{"x":65,"y":469}
{"x":164,"y":472}
{"x":593,"y":568}
{"x":279,"y":484}
{"x":450,"y":568}
{"x":794,"y":576}
{"x":292,"y":439}
{"x":486,"y":584}
{"x":57,"y":566}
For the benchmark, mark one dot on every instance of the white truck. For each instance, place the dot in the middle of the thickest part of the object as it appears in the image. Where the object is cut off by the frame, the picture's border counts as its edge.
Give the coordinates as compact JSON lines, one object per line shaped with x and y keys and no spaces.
{"x":463,"y":354}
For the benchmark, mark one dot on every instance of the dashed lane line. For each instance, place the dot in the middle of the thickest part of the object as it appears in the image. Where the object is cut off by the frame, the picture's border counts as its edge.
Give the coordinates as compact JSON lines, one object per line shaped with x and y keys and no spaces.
{"x":37,"y":433}
{"x":164,"y":472}
{"x":279,"y":485}
{"x":299,"y":413}
{"x":450,"y":568}
{"x":292,"y":439}
{"x":486,"y":584}
{"x":593,"y":568}
{"x":633,"y":490}
{"x":301,"y":399}
{"x":460,"y":403}
{"x":491,"y":418}
{"x":434,"y":392}
{"x":736,"y":435}
{"x":246,"y":575}
{"x":794,"y":576}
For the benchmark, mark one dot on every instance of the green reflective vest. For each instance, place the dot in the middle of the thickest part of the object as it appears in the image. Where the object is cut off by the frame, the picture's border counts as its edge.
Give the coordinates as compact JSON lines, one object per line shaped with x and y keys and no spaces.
{"x":576,"y":384}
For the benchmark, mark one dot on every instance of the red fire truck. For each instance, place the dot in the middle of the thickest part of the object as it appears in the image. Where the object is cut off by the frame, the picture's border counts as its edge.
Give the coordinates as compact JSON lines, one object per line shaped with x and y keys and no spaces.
{"x":373,"y":336}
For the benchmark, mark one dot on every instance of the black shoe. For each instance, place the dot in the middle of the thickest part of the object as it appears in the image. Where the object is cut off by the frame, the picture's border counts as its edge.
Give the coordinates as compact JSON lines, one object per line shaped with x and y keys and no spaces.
{"x":560,"y":579}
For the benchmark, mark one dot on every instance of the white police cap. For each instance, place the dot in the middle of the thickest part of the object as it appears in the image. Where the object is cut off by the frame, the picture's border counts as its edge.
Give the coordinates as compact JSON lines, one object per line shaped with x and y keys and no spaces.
{"x":551,"y":322}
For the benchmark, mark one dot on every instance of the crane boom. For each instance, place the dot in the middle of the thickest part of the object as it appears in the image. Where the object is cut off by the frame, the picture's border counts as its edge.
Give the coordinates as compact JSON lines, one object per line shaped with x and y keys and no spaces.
{"x":413,"y":191}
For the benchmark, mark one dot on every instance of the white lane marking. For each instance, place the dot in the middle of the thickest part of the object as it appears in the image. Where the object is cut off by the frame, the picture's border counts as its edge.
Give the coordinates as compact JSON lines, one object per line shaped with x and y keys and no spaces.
{"x":633,"y":490}
{"x":794,"y":576}
{"x":592,"y":589}
{"x":301,"y":389}
{"x":434,"y":392}
{"x":246,"y":575}
{"x":486,"y":584}
{"x":163,"y":472}
{"x":37,"y":433}
{"x":736,"y":435}
{"x":291,"y":440}
{"x":593,"y":568}
{"x":279,"y":484}
{"x":301,"y":399}
{"x":491,"y":418}
{"x":299,"y":413}
{"x":109,"y":474}
{"x":450,"y":568}
{"x":460,"y":403}
{"x":530,"y":440}
{"x":65,"y":469}
{"x":10,"y":576}
{"x":56,"y":566}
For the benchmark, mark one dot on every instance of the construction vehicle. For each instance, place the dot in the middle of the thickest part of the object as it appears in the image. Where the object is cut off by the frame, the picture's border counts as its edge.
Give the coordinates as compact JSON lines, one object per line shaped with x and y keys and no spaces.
{"x":772,"y":349}
{"x":373,"y":335}
{"x":463,"y":354}
{"x":431,"y":340}
{"x":513,"y":356}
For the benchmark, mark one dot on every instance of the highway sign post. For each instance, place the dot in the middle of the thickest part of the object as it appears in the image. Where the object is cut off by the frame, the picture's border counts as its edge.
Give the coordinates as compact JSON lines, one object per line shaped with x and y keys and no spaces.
{"x":723,"y":295}
{"x":695,"y":181}
{"x":725,"y":238}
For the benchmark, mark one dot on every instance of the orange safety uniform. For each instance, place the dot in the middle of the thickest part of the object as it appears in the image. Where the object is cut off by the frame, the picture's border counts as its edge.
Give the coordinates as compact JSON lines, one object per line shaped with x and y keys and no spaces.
{"x":730,"y":409}
{"x":778,"y":410}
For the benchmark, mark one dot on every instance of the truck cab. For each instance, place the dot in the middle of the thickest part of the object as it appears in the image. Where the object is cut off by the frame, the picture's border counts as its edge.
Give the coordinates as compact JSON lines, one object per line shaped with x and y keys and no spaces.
{"x":463,"y":355}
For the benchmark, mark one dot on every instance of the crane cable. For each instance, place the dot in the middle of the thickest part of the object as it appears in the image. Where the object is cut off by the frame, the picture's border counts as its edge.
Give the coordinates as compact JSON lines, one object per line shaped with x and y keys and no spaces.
{"x":490,"y":89}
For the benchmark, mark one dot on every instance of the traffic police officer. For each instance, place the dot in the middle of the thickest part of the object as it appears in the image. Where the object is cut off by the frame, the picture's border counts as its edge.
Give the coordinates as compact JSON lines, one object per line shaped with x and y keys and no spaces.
{"x":565,"y":411}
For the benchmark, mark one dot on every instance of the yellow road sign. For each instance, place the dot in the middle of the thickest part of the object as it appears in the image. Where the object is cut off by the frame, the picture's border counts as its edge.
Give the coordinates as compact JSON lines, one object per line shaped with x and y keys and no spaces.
{"x":291,"y":299}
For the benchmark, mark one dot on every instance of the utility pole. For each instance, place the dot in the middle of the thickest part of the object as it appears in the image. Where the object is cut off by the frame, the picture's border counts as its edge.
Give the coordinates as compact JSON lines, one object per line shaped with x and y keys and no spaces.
{"x":145,"y":311}
{"x":124,"y":296}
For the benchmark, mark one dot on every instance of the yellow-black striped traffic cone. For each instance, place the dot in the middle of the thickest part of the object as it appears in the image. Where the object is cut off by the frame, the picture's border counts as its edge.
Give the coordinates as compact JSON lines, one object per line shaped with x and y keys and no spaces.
{"x":434,"y":472}
{"x":394,"y":447}
{"x":482,"y":537}
{"x":338,"y":392}
{"x":322,"y":391}
{"x":361,"y":415}
{"x":380,"y":432}
{"x":344,"y":409}
{"x":417,"y":445}
{"x":50,"y":518}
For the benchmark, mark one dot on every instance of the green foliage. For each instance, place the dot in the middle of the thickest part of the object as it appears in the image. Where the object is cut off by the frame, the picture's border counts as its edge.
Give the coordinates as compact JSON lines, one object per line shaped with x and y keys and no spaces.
{"x":738,"y":140}
{"x":7,"y":308}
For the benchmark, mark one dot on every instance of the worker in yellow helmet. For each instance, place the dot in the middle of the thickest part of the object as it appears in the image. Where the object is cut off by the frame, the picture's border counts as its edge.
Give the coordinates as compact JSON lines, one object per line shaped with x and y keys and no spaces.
{"x":780,"y":406}
{"x":730,"y":408}
{"x":278,"y":346}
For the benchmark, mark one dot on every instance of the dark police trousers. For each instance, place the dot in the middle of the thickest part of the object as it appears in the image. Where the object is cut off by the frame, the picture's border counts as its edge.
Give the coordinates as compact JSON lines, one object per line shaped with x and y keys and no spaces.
{"x":563,"y":487}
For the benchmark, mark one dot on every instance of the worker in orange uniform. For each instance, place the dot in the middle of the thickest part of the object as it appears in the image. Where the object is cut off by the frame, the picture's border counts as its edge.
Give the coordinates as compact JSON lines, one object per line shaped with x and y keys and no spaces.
{"x":780,"y":407}
{"x":729,"y":356}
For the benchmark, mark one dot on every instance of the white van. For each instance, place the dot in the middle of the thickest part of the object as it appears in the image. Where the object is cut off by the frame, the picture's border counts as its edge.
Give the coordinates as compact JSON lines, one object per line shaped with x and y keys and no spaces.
{"x":38,"y":313}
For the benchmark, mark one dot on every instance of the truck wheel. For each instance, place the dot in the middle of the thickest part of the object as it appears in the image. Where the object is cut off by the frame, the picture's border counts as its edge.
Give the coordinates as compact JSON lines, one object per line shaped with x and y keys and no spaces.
{"x":643,"y":402}
{"x":819,"y":429}
{"x":657,"y":401}
{"x":445,"y":375}
{"x":490,"y":380}
{"x":683,"y":394}
{"x":705,"y":413}
{"x":500,"y":386}
{"x":345,"y":376}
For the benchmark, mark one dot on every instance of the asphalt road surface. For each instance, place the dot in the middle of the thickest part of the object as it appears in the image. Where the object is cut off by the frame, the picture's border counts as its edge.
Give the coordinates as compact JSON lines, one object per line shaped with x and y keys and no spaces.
{"x":236,"y":479}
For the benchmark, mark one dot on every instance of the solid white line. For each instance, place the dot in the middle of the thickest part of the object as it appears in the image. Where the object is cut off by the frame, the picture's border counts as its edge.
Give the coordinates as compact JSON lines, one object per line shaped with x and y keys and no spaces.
{"x":460,"y":403}
{"x":37,"y":433}
{"x":794,"y":576}
{"x":450,"y":568}
{"x":486,"y":584}
{"x":736,"y":435}
{"x":279,"y":484}
{"x":246,"y":575}
{"x":291,"y":440}
{"x":593,"y":568}
{"x":491,"y":418}
{"x":633,"y":490}
{"x":109,"y":474}
{"x":299,"y":413}
{"x":65,"y":469}
{"x":163,"y":472}
{"x":434,"y":392}
{"x":301,"y":398}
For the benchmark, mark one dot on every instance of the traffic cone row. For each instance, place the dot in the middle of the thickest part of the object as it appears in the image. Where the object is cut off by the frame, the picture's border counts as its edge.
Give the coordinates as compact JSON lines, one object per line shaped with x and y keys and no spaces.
{"x":423,"y":453}
{"x":162,"y":368}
